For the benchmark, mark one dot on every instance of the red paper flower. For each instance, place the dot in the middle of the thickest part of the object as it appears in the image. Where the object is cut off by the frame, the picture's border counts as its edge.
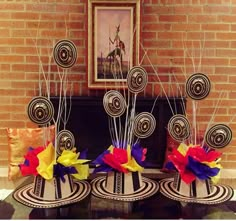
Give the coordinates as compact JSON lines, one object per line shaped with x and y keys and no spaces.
{"x":180,"y":162}
{"x":191,"y":164}
{"x":31,"y":162}
{"x":115,"y":159}
{"x":144,"y":154}
{"x":200,"y":154}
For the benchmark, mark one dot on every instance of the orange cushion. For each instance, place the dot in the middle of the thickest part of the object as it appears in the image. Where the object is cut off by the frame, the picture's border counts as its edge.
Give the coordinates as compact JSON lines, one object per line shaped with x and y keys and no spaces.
{"x":19,"y":140}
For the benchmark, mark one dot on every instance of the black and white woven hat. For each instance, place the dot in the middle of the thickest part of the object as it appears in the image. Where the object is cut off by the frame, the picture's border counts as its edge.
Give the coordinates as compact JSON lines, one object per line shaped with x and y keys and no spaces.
{"x":129,"y":186}
{"x":44,"y":193}
{"x":199,"y":191}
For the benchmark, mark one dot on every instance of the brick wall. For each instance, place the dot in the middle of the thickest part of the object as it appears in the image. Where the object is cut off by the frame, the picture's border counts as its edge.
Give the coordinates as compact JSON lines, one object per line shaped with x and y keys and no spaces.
{"x":180,"y":37}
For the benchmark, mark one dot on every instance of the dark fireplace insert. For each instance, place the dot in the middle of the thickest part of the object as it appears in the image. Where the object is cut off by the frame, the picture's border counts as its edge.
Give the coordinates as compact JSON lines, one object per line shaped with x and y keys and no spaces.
{"x":88,"y":122}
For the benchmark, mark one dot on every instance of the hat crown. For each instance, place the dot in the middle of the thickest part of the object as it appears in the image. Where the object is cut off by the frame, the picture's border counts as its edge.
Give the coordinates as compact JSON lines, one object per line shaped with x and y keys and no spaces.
{"x":53,"y":189}
{"x":197,"y":188}
{"x":123,"y":183}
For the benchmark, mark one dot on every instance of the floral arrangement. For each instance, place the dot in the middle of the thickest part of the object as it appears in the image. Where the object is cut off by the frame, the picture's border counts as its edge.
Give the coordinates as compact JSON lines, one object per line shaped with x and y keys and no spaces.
{"x":121,"y":160}
{"x":42,"y":161}
{"x":195,"y":161}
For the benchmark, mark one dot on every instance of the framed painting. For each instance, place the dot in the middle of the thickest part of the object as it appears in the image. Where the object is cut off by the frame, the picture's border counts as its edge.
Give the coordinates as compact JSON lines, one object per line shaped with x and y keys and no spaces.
{"x":113,"y":41}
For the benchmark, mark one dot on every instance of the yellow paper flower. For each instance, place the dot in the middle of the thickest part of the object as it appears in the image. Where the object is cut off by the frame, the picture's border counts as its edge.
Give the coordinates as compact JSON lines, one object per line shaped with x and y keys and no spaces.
{"x":83,"y":171}
{"x":110,"y":148}
{"x":132,"y":165}
{"x":183,"y":148}
{"x":46,"y":162}
{"x":69,"y":158}
{"x":215,"y":179}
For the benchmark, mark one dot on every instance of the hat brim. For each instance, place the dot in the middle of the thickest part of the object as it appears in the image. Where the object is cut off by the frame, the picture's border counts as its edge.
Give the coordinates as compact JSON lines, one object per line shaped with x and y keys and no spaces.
{"x":220,"y":193}
{"x":148,"y":189}
{"x":25,"y":196}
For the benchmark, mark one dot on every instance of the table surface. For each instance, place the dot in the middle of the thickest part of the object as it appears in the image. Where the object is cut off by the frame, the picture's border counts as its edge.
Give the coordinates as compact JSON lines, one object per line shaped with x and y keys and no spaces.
{"x":154,"y":207}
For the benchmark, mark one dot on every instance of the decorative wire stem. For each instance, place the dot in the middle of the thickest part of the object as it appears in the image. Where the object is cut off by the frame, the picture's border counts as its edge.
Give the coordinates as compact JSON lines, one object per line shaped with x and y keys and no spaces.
{"x":194,"y":121}
{"x":213,"y":115}
{"x":115,"y":127}
{"x":126,"y":122}
{"x":132,"y":120}
{"x":158,"y":80}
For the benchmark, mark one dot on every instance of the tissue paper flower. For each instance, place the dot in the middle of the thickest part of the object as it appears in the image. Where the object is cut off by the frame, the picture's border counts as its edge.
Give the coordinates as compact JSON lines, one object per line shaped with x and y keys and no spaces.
{"x":71,"y":159}
{"x":195,"y":162}
{"x":46,"y":162}
{"x":122,"y":160}
{"x":41,"y":161}
{"x":31,"y":161}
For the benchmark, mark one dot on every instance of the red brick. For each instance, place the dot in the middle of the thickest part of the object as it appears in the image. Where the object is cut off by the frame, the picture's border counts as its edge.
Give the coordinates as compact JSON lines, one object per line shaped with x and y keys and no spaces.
{"x":11,"y":41}
{"x":225,"y":70}
{"x":5,"y":33}
{"x":12,"y":24}
{"x":185,"y":27}
{"x":12,"y":124}
{"x":39,"y":25}
{"x":216,"y":27}
{"x":157,"y":10}
{"x":203,"y":18}
{"x":217,"y":9}
{"x":226,"y":36}
{"x":21,"y":33}
{"x":79,"y":8}
{"x":156,"y":44}
{"x":170,"y":35}
{"x":226,"y":18}
{"x":159,"y":27}
{"x":188,"y":9}
{"x":149,"y":35}
{"x":25,"y":15}
{"x":11,"y":6}
{"x":149,"y":19}
{"x":11,"y":58}
{"x":41,"y":7}
{"x":227,"y":87}
{"x":173,"y":18}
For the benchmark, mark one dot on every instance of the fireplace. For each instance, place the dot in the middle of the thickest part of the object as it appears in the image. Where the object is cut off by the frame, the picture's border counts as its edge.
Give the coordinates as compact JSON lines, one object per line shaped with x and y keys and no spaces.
{"x":88,"y":122}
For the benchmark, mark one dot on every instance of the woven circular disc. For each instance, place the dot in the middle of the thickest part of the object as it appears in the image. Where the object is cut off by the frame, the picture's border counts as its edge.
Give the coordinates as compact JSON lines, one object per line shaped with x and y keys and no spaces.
{"x":114,"y":103}
{"x":137,"y":79}
{"x":179,"y":127}
{"x":198,"y":86}
{"x":144,"y":125}
{"x":65,"y":53}
{"x":65,"y":141}
{"x":218,"y":136}
{"x":40,"y":110}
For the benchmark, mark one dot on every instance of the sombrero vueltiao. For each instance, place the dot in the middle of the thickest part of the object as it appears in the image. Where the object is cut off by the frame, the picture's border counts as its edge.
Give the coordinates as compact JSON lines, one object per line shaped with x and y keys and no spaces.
{"x":44,"y":193}
{"x":199,"y":191}
{"x":129,"y":186}
{"x":198,"y":160}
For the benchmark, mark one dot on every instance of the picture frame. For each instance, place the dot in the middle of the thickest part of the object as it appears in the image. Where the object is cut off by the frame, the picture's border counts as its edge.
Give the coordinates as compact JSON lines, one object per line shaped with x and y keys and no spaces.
{"x":113,"y":41}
